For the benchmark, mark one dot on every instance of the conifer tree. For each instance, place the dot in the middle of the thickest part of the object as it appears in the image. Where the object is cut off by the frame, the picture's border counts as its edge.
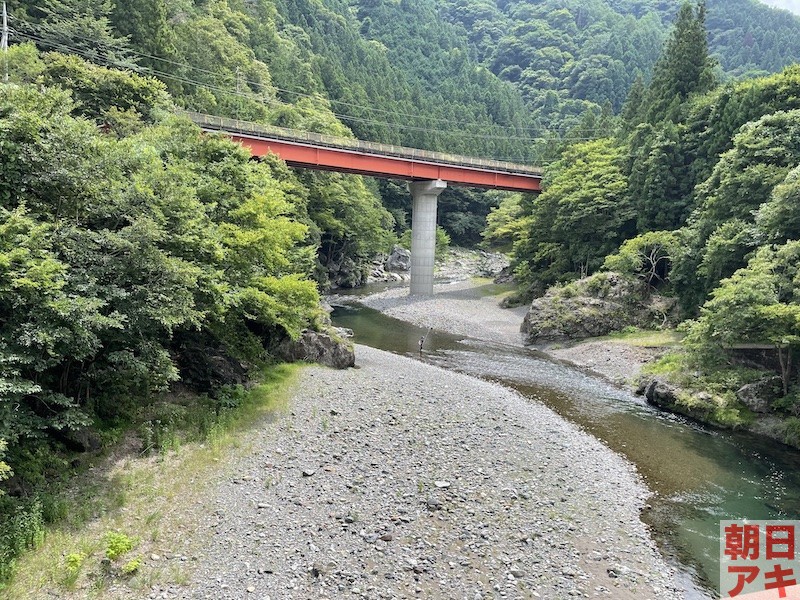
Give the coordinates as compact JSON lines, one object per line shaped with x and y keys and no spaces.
{"x":633,"y":106}
{"x":684,"y":68}
{"x":76,"y":26}
{"x":145,"y":24}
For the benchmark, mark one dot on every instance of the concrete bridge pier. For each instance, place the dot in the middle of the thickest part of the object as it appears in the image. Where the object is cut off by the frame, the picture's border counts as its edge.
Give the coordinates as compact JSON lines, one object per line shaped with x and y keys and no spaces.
{"x":425,"y":196}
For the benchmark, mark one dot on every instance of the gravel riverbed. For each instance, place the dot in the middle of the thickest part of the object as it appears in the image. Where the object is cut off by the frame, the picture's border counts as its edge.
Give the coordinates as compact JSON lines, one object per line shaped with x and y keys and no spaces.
{"x":398,"y":479}
{"x":464,"y":308}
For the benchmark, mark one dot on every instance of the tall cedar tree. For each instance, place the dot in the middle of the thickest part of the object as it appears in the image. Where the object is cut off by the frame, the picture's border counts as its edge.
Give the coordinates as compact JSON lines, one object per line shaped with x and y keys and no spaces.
{"x":684,"y":68}
{"x":145,"y":24}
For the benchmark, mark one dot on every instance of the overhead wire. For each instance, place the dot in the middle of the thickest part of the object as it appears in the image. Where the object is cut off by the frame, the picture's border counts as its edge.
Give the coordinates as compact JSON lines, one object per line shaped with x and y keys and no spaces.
{"x":268,"y":100}
{"x":318,"y":96}
{"x":88,"y":55}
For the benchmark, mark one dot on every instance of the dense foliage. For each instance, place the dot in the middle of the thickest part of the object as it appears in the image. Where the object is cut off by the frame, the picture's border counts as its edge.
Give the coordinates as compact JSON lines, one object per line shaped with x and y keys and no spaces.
{"x":569,"y":56}
{"x":131,"y":255}
{"x":506,"y":80}
{"x":583,"y":214}
{"x":698,"y":189}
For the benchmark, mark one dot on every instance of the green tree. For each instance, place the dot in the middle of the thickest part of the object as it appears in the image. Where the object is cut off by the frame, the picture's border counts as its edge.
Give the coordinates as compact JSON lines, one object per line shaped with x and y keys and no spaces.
{"x":778,"y":219}
{"x":166,"y":233}
{"x":722,"y":231}
{"x":503,"y":223}
{"x":352,"y":231}
{"x":659,"y":181}
{"x":583,"y":214}
{"x":145,"y":24}
{"x":648,"y":256}
{"x":632,"y":109}
{"x":684,"y":68}
{"x":759,"y":303}
{"x":79,"y":26}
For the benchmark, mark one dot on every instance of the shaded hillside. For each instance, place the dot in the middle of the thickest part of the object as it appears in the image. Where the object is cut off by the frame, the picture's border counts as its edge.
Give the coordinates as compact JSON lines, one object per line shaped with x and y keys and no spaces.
{"x":566,"y":56}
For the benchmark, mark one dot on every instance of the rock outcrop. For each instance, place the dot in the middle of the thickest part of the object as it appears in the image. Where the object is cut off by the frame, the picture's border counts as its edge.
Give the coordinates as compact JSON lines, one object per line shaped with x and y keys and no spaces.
{"x":760,"y":395}
{"x":347,"y":273}
{"x":327,"y":348}
{"x":398,"y":260}
{"x":591,"y":307}
{"x":697,"y":405}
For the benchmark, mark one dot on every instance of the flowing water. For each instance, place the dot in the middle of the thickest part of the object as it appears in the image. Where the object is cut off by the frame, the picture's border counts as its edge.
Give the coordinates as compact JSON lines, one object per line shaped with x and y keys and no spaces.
{"x":698,"y":475}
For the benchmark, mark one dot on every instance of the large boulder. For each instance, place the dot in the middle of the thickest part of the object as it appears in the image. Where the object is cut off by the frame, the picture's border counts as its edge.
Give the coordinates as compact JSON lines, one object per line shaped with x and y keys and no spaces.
{"x":398,"y":260}
{"x":760,"y":395}
{"x":591,"y":307}
{"x":660,"y":393}
{"x":697,"y":405}
{"x":326,"y":348}
{"x":347,"y":274}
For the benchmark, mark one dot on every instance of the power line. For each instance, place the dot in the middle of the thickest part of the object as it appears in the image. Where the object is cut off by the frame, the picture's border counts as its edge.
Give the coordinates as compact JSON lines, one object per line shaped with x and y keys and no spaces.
{"x":312,"y":96}
{"x":4,"y":42}
{"x":183,"y":79}
{"x":80,"y":52}
{"x":266,"y":100}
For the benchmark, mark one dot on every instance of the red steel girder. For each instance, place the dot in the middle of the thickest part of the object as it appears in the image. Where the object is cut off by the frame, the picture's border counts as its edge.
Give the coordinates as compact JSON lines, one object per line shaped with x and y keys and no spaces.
{"x":377,"y":165}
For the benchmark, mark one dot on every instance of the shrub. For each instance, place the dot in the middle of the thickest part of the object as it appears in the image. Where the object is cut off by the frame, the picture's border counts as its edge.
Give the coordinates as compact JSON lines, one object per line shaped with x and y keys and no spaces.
{"x":130,"y":567}
{"x":117,"y":544}
{"x":22,"y":529}
{"x":791,"y":432}
{"x":72,"y":564}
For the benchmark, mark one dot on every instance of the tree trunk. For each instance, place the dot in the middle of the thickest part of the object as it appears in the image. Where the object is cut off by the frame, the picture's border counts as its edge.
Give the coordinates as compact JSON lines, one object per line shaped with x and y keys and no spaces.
{"x":786,"y":367}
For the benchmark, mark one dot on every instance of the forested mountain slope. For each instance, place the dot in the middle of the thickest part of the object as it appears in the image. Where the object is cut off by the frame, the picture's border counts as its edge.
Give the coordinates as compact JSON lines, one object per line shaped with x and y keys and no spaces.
{"x":694,"y":193}
{"x":569,"y":55}
{"x":423,"y":73}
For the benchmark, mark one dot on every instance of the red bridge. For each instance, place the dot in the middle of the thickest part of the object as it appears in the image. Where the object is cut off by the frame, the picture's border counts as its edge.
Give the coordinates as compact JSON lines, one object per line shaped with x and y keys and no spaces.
{"x":317,"y":151}
{"x":429,"y":173}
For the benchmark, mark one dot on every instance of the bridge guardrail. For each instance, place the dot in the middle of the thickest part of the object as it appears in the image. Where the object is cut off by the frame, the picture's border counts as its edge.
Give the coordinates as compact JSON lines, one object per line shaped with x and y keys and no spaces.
{"x":224,"y":124}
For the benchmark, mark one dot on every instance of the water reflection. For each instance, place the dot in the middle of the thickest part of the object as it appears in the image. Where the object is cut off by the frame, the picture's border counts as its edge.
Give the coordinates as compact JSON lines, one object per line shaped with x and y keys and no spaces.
{"x":698,"y":475}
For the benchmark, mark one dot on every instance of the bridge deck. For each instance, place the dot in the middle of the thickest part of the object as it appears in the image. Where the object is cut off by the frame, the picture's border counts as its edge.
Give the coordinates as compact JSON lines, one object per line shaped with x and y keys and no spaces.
{"x":318,"y":151}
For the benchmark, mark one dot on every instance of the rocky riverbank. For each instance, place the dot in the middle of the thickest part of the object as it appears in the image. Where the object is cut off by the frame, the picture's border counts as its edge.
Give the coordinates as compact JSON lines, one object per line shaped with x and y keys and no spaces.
{"x":430,"y":484}
{"x":616,"y":361}
{"x":469,"y":308}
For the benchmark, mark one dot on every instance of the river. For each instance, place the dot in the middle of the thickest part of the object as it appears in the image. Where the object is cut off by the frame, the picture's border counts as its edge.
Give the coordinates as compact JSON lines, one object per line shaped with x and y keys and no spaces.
{"x":698,"y":475}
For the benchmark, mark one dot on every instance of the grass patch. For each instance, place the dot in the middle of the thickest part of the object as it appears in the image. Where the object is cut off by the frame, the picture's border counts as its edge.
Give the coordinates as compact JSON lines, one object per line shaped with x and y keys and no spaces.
{"x":733,"y":415}
{"x":485,"y":287}
{"x":649,"y":338}
{"x":133,"y":505}
{"x":790,"y":431}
